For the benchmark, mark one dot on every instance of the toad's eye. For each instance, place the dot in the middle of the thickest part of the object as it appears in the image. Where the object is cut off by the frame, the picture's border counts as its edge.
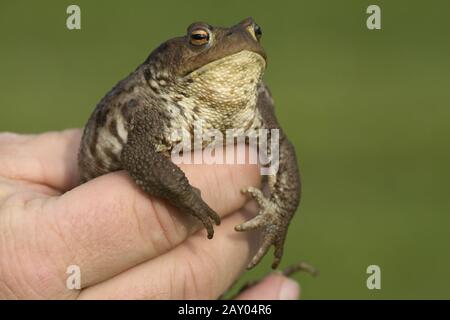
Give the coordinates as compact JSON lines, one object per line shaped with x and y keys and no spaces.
{"x":257,"y":30}
{"x":199,"y":37}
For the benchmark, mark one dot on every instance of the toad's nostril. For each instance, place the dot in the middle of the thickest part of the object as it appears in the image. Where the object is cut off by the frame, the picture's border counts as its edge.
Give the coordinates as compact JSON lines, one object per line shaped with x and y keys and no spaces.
{"x":229,"y":34}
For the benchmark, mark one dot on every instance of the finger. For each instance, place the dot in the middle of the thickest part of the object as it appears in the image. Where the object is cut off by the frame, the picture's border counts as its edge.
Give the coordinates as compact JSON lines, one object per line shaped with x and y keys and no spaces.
{"x":48,"y":158}
{"x":196,"y":269}
{"x":108,"y":225}
{"x":24,"y":189}
{"x":273,"y":287}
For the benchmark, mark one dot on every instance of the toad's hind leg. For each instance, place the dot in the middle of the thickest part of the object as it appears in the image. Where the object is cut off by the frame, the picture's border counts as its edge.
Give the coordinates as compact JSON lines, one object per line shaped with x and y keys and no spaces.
{"x":158,"y":176}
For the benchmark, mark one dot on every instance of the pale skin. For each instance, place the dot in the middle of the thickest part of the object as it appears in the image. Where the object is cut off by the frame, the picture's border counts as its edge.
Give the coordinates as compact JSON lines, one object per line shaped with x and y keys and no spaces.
{"x":127,"y":245}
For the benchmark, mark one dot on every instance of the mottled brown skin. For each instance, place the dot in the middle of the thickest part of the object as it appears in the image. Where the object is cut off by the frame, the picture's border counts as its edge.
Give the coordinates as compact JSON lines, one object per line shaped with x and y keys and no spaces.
{"x":179,"y":83}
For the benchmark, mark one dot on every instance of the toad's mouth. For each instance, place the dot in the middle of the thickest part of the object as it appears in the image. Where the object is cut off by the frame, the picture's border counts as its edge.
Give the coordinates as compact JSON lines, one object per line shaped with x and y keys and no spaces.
{"x":242,"y":65}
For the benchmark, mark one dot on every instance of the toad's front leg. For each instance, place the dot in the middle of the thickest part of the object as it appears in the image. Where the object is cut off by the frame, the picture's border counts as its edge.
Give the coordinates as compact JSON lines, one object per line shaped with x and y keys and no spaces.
{"x":276,"y":210}
{"x":158,"y":176}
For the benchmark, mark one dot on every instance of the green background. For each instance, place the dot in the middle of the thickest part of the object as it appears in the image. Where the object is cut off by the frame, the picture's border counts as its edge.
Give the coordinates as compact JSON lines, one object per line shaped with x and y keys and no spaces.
{"x":367,"y":110}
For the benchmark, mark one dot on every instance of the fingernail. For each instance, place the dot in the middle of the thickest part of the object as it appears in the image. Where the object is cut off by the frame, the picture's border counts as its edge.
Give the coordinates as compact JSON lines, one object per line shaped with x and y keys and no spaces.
{"x":290,"y":290}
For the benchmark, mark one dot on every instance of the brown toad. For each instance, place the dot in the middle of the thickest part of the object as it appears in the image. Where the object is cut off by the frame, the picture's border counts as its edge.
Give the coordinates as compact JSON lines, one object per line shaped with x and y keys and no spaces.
{"x":214,"y":75}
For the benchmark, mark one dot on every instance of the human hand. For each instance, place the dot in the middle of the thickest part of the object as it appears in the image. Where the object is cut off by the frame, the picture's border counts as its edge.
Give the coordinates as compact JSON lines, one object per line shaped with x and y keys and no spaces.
{"x":126,"y":244}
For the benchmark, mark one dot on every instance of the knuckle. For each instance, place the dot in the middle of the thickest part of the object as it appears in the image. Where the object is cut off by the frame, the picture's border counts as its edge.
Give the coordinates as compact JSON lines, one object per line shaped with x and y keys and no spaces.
{"x":24,"y":271}
{"x":199,"y":275}
{"x":8,"y":137}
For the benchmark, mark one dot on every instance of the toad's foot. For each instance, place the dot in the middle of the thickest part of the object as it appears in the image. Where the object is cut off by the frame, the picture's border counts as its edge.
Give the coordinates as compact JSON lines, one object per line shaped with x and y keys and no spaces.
{"x":301,"y":266}
{"x":270,"y":220}
{"x":198,"y":208}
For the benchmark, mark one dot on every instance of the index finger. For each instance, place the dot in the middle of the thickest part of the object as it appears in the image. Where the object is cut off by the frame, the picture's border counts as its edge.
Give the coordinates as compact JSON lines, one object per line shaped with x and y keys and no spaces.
{"x":49,"y":158}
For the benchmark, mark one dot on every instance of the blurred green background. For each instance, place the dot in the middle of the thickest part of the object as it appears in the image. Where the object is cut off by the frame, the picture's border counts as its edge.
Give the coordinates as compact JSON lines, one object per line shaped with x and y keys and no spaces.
{"x":369,"y":113}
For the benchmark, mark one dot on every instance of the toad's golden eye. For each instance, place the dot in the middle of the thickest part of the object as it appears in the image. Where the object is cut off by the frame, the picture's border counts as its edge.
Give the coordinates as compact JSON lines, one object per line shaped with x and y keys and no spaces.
{"x":257,"y":30}
{"x":199,"y":37}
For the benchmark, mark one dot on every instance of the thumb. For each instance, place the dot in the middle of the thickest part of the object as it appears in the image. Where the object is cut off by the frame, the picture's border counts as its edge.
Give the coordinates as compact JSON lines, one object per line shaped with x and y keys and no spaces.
{"x":273,"y":287}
